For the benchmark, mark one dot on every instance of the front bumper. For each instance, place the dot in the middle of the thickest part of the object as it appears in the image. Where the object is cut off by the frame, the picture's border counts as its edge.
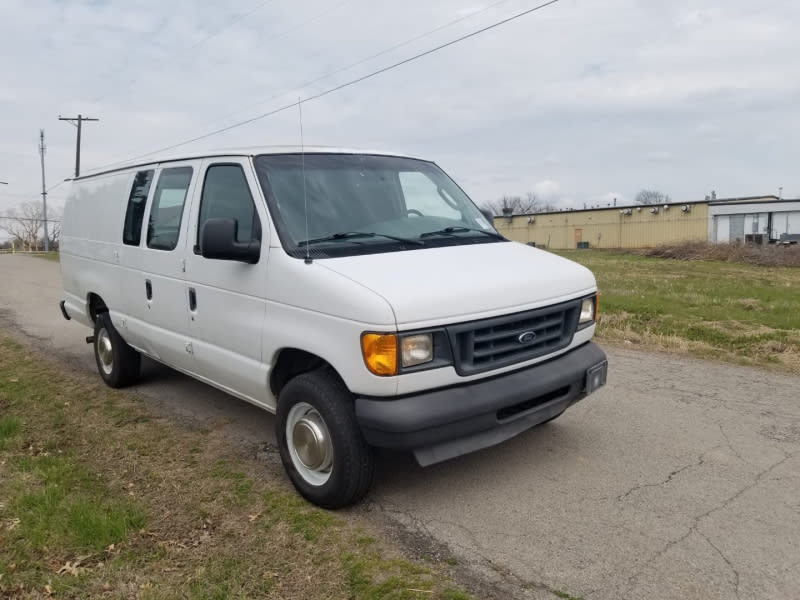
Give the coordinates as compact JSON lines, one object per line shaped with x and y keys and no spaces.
{"x":448,"y":422}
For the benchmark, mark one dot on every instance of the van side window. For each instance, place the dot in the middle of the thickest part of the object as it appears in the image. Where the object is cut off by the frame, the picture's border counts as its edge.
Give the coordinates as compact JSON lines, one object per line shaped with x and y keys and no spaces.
{"x":167,"y":210}
{"x":226,"y":194}
{"x":134,"y":215}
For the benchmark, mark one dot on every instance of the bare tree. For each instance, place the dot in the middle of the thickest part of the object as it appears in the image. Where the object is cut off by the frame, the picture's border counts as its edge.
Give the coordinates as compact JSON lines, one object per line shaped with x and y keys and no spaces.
{"x":546,"y":208}
{"x":513,"y":205}
{"x":54,"y":227}
{"x":652,"y":197}
{"x":24,"y":224}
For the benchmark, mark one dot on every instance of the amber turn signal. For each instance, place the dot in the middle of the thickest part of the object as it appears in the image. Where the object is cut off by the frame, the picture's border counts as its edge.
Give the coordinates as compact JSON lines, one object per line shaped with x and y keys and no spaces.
{"x":380,"y":353}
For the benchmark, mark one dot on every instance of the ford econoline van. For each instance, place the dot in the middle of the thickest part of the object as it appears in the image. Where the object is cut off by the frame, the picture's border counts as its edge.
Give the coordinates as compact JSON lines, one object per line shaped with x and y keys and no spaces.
{"x":360,"y":296}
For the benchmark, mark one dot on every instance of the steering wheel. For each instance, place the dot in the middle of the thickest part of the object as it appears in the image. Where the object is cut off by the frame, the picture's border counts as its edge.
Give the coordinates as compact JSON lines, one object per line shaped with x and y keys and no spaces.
{"x":415,"y":212}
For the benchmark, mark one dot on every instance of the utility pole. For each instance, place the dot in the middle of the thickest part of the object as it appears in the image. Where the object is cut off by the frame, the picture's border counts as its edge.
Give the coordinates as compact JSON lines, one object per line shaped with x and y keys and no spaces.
{"x":77,"y":122}
{"x":42,"y":148}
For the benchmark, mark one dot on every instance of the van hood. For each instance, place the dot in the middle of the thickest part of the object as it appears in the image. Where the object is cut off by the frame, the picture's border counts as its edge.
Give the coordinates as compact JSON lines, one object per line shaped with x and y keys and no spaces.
{"x":435,"y":286}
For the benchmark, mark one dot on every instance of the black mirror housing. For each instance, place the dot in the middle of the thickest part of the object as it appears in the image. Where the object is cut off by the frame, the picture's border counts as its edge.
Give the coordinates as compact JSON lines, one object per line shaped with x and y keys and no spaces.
{"x":218,"y":241}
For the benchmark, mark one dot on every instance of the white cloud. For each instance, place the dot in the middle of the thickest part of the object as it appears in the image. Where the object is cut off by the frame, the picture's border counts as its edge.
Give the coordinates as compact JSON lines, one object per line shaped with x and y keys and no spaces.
{"x":578,"y":98}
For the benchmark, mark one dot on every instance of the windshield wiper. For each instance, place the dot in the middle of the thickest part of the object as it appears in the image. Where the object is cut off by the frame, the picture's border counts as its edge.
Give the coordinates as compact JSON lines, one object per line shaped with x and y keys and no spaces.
{"x":452,"y":230}
{"x":349,"y":235}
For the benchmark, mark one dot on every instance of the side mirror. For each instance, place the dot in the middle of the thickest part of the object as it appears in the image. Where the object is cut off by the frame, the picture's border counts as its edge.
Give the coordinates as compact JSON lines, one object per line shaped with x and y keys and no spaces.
{"x":218,"y":240}
{"x":489,"y":215}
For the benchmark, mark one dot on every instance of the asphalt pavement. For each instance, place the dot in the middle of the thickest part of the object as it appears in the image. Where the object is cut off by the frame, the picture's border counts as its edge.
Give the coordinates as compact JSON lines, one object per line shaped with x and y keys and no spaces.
{"x":679,"y":479}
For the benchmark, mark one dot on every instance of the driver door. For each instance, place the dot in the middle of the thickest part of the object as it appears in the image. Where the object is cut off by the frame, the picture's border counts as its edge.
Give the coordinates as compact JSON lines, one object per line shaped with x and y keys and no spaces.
{"x":226,"y":298}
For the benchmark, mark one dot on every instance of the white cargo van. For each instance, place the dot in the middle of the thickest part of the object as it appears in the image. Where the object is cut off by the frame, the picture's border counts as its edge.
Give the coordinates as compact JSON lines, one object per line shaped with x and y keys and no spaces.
{"x":360,"y":296}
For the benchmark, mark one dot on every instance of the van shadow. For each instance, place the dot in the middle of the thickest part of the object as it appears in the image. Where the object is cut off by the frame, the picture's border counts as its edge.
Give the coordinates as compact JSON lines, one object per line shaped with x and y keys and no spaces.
{"x":538,"y":453}
{"x":200,"y":405}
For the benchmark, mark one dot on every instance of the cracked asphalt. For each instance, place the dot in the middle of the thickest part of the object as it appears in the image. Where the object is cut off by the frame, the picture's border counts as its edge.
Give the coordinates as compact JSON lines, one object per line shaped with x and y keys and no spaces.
{"x":680,"y":479}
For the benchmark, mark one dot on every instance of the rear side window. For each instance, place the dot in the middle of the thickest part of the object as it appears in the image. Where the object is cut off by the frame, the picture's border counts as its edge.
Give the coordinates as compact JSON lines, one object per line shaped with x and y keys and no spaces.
{"x":134,"y":215}
{"x":226,"y":194}
{"x":167,"y":211}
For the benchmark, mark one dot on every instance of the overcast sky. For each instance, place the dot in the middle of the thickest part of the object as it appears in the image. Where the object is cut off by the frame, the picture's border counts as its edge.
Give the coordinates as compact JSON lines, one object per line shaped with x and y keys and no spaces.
{"x":583,"y":101}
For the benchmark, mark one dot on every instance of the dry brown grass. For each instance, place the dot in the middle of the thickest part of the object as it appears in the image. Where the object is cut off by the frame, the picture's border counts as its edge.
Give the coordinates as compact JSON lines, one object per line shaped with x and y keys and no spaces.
{"x":621,"y":328}
{"x":751,"y":254}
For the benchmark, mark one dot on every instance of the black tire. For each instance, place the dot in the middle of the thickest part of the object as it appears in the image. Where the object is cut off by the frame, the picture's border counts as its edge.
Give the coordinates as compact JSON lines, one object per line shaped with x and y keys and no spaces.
{"x":117,"y":363}
{"x":346,"y":475}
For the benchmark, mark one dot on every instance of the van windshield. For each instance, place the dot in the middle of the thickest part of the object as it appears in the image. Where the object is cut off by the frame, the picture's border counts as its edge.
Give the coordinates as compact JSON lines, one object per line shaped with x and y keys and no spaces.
{"x":344,"y":204}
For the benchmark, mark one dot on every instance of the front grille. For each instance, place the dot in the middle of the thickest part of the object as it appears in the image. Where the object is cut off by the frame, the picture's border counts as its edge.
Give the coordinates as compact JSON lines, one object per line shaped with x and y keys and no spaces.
{"x":493,"y":343}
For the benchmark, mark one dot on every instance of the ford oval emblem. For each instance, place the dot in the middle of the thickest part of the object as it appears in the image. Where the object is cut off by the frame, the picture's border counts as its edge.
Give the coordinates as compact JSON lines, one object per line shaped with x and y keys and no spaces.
{"x":526,"y":337}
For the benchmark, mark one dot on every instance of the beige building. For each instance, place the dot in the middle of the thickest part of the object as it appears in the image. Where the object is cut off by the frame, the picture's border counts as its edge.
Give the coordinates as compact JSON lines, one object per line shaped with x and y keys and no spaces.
{"x":633,"y":226}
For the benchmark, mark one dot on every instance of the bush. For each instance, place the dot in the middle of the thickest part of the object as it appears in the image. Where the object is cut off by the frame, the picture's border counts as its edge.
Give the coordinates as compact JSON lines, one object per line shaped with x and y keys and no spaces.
{"x":752,"y":254}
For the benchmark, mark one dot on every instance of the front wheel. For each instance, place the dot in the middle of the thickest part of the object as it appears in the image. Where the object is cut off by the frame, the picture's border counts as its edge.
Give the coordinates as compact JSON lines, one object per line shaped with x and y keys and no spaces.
{"x":321,"y":446}
{"x":117,"y":362}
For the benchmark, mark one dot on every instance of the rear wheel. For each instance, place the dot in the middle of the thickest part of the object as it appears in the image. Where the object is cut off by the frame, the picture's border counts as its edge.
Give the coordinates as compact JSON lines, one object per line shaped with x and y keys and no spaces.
{"x":321,"y":446}
{"x":117,"y":362}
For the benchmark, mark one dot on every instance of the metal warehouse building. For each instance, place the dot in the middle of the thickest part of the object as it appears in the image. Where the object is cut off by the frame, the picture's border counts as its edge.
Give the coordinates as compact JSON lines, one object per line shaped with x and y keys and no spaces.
{"x":757,"y":219}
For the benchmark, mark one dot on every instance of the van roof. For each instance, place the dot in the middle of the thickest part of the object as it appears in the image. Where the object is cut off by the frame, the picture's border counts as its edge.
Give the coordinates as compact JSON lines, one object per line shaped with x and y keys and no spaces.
{"x":238,"y":151}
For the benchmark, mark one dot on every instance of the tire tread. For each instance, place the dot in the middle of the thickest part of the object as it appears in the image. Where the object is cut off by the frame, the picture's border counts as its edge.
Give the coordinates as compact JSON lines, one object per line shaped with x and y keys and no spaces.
{"x":127,"y":361}
{"x":351,"y":483}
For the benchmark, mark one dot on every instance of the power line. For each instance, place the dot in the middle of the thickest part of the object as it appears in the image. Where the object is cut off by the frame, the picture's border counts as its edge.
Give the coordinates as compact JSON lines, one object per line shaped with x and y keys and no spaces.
{"x":10,"y":195}
{"x":48,"y":190}
{"x":343,"y":85}
{"x":367,"y":59}
{"x":306,"y":84}
{"x":77,"y":121}
{"x":29,"y":219}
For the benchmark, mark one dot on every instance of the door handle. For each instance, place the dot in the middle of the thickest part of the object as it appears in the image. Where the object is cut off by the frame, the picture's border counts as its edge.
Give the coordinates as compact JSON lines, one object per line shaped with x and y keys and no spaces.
{"x":148,"y":288}
{"x":192,"y":300}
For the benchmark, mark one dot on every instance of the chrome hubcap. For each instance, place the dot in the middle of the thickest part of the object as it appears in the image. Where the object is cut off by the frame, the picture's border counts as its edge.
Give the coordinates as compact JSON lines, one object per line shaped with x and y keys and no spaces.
{"x":309,"y":442}
{"x":105,"y":352}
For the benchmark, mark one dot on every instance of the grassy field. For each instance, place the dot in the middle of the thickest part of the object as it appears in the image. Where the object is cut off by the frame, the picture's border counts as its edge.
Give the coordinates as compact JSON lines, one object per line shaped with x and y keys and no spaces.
{"x":53,"y":255}
{"x":100,"y":500}
{"x":735,"y":312}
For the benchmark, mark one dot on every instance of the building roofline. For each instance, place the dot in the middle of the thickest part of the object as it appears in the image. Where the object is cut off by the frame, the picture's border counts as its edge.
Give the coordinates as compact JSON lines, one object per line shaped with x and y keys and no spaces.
{"x":617,"y":207}
{"x":740,"y":200}
{"x":744,"y":199}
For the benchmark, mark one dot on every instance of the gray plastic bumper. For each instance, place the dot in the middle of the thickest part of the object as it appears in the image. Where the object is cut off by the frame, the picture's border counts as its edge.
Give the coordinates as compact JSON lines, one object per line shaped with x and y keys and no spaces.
{"x":448,"y":422}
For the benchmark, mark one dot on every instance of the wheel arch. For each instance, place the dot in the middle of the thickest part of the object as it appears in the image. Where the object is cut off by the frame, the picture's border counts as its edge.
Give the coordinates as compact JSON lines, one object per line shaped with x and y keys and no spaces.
{"x":291,"y":362}
{"x":95,"y":305}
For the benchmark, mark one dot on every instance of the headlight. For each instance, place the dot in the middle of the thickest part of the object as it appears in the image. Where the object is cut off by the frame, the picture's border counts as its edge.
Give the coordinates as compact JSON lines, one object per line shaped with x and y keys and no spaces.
{"x":416,"y":349}
{"x":587,"y":311}
{"x":380,"y":353}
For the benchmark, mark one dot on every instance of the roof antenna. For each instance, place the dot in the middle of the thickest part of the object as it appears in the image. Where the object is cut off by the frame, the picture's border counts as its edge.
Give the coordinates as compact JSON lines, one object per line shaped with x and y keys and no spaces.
{"x":308,"y":260}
